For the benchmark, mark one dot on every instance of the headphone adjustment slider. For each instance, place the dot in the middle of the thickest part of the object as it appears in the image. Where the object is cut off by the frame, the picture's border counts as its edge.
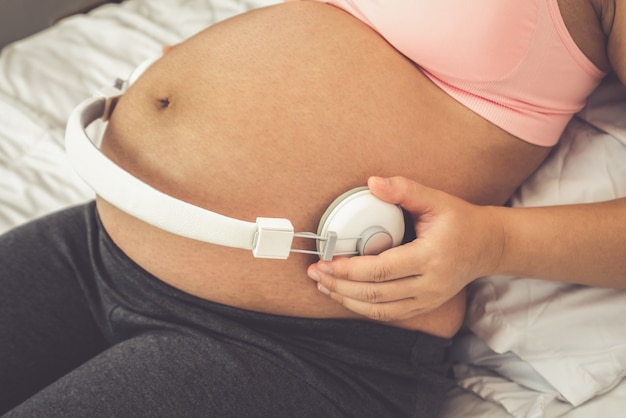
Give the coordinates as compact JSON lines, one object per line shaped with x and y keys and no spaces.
{"x":110,"y":95}
{"x":329,"y":248}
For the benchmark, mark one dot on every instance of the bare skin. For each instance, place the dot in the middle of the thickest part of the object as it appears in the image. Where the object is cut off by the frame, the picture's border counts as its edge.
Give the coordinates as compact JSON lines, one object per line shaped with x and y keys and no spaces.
{"x":275,"y":113}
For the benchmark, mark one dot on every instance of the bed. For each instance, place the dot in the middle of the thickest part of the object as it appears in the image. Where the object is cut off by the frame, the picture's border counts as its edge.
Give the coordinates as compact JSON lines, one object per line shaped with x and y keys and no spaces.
{"x":505,"y":364}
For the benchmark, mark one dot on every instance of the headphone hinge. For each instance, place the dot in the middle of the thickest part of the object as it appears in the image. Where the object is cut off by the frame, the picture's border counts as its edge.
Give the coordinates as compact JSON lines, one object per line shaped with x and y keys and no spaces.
{"x":273,"y":238}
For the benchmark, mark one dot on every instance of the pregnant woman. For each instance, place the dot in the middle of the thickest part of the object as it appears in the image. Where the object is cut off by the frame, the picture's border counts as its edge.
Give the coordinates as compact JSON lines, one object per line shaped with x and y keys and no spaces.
{"x":274,"y":113}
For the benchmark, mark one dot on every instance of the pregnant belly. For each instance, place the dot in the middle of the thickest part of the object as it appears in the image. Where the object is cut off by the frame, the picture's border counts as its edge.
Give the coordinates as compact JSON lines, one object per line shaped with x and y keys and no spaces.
{"x":275,"y":113}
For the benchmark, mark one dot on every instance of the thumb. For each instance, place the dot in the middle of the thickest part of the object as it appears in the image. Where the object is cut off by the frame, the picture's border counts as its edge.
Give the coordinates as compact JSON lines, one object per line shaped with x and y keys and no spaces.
{"x":412,"y":196}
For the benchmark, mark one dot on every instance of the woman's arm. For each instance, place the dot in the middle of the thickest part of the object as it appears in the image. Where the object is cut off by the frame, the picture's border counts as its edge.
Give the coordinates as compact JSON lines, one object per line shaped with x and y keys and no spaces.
{"x":458,"y":242}
{"x":583,"y":244}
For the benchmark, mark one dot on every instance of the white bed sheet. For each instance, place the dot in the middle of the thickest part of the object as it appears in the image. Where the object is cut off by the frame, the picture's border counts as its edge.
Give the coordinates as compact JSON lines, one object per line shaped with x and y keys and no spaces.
{"x":43,"y":77}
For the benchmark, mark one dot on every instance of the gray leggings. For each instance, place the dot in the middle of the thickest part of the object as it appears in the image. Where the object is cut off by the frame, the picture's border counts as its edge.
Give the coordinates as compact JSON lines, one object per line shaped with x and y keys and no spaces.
{"x":85,"y":332}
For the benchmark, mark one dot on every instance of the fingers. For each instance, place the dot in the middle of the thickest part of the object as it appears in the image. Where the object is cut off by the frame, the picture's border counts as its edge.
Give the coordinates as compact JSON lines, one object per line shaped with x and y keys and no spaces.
{"x":384,"y":312}
{"x":391,"y":300}
{"x":409,"y":194}
{"x":383,"y":287}
{"x":387,"y":301}
{"x":372,"y":293}
{"x":395,"y":263}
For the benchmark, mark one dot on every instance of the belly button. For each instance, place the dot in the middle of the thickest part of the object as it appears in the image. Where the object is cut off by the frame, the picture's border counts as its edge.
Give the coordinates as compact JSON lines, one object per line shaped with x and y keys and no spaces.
{"x":163,"y":103}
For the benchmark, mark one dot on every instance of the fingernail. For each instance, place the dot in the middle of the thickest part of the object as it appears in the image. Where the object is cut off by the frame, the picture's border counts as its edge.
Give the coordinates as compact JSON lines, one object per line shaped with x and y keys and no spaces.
{"x":383,"y":181}
{"x":314,"y":274}
{"x":323,"y":289}
{"x":325,"y":268}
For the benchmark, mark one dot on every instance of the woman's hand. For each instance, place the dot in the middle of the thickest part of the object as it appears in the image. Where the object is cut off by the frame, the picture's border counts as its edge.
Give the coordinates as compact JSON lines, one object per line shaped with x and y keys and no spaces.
{"x":456,"y":243}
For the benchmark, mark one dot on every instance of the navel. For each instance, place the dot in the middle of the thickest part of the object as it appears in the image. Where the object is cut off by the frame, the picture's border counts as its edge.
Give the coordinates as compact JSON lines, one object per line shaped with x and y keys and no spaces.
{"x":163,"y":103}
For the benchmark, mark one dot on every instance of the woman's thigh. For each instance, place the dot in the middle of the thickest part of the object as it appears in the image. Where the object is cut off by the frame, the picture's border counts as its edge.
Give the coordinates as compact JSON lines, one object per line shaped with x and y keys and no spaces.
{"x":170,"y":374}
{"x":46,"y":327}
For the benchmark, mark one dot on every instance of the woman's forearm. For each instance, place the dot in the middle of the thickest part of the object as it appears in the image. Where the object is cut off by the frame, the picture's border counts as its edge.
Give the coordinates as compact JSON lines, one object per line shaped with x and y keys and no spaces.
{"x":584,"y":244}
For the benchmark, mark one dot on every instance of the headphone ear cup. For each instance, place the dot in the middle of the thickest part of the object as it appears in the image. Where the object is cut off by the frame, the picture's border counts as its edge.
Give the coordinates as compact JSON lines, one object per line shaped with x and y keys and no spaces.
{"x":364,"y":224}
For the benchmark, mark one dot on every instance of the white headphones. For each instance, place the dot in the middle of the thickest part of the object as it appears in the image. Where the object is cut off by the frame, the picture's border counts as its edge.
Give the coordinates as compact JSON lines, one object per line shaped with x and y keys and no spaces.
{"x":356,"y":223}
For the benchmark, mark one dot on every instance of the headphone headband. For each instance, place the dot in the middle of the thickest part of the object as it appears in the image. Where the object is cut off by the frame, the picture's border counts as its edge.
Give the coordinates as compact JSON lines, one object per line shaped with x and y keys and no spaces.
{"x":141,"y":200}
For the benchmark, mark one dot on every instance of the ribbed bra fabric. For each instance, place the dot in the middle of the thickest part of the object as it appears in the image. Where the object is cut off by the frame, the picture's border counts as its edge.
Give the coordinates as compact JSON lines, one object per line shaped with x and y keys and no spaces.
{"x":513,"y":63}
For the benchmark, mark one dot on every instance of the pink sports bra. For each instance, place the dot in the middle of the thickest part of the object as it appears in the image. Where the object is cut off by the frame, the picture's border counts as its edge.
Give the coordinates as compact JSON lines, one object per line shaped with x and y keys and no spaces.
{"x":512,"y":62}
